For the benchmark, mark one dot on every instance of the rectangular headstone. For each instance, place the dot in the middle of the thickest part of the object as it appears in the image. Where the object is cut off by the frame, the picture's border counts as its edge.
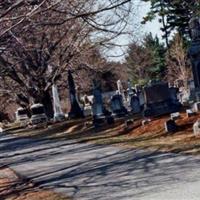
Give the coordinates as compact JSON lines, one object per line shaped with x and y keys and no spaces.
{"x":197,"y":107}
{"x":156,"y":93}
{"x":145,"y":122}
{"x":175,"y":116}
{"x":196,"y":128}
{"x":170,"y":126}
{"x":190,"y":113}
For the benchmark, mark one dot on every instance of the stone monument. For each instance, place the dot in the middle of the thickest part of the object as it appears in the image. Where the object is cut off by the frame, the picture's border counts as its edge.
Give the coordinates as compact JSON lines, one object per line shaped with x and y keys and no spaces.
{"x":58,"y":114}
{"x":120,"y":89}
{"x":97,"y":106}
{"x":196,"y":128}
{"x":159,"y":100}
{"x":194,"y":53}
{"x":87,"y":106}
{"x":100,"y":114}
{"x":117,"y":105}
{"x":135,"y":105}
{"x":75,"y":111}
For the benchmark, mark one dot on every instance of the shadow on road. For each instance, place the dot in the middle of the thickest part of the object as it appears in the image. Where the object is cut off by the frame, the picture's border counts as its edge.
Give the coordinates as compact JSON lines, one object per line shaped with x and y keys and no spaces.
{"x":94,"y":171}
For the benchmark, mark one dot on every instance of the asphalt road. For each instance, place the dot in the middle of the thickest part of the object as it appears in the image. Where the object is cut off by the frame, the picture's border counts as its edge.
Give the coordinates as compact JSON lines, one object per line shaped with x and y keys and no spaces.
{"x":98,"y":172}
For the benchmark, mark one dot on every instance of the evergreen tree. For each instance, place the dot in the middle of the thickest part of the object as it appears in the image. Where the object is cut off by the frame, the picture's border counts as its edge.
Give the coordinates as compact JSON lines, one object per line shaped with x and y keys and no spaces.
{"x":173,"y":14}
{"x":157,"y":53}
{"x":146,"y":61}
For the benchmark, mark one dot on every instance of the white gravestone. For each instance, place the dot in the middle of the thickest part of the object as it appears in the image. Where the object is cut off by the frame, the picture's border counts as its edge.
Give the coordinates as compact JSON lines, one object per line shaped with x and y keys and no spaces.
{"x":196,"y":128}
{"x":175,"y":116}
{"x":58,"y":114}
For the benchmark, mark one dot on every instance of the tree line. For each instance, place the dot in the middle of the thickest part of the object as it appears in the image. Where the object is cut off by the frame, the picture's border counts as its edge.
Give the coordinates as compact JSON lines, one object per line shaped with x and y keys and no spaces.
{"x":167,"y":59}
{"x":41,"y":39}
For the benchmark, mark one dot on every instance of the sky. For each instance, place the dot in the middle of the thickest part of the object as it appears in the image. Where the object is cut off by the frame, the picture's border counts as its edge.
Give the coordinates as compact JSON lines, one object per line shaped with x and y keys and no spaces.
{"x":138,"y":33}
{"x":153,"y":26}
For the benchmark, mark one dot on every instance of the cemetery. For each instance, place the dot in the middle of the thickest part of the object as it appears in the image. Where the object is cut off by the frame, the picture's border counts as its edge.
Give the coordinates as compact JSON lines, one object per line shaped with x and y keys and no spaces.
{"x":99,"y":100}
{"x":159,"y":122}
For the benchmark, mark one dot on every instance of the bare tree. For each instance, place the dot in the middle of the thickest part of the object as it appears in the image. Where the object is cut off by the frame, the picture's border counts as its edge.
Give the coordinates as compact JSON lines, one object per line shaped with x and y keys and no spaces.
{"x":178,"y":66}
{"x":41,"y":39}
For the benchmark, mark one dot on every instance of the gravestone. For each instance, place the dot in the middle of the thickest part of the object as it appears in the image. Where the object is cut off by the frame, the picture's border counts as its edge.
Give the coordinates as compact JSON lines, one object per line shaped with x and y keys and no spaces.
{"x":129,"y":124}
{"x":175,"y":116}
{"x":170,"y":126}
{"x":141,"y":99}
{"x":97,"y":106}
{"x":22,"y":115}
{"x":197,"y":107}
{"x":138,"y":88}
{"x":190,"y":113}
{"x":87,"y":106}
{"x":38,"y":115}
{"x":58,"y":114}
{"x":159,"y":100}
{"x":75,"y":111}
{"x":135,"y":105}
{"x":196,"y":128}
{"x":174,"y":95}
{"x":191,"y":89}
{"x":130,"y":91}
{"x":145,"y":121}
{"x":120,"y":89}
{"x":1,"y":130}
{"x":117,"y":105}
{"x":99,"y":112}
{"x":194,"y":53}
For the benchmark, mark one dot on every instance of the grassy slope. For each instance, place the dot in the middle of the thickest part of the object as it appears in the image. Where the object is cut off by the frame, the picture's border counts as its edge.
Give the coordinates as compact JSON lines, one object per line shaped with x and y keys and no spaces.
{"x":150,"y":136}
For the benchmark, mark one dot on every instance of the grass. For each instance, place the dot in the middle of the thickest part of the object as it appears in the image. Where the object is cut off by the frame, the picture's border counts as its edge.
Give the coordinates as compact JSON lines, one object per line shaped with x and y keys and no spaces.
{"x":151,"y":136}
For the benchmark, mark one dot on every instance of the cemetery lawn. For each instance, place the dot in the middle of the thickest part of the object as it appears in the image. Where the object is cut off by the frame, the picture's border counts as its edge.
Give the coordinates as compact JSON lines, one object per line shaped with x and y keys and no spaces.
{"x":151,"y":136}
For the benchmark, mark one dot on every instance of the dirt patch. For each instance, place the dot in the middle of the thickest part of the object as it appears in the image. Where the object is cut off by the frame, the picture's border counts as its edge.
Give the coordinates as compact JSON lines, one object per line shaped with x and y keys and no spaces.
{"x":13,"y":187}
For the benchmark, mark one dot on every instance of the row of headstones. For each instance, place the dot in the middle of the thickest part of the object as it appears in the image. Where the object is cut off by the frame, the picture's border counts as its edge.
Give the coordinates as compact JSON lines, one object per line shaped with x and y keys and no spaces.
{"x":154,"y":99}
{"x":98,"y":110}
{"x":119,"y":103}
{"x":38,"y":112}
{"x":171,"y":125}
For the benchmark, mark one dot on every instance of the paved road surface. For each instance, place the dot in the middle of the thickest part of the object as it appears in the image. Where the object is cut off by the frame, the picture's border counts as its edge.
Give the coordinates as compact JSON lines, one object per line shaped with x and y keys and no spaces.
{"x":97,"y":172}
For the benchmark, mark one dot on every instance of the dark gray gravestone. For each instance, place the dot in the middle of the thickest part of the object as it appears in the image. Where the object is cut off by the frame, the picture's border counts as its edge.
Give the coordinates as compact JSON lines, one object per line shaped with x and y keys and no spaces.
{"x":97,"y":106}
{"x":190,"y":113}
{"x":159,"y":100}
{"x":170,"y":126}
{"x":135,"y":105}
{"x":197,"y":107}
{"x":117,"y":105}
{"x":156,"y":93}
{"x":173,"y":91}
{"x":100,"y":114}
{"x":75,"y":111}
{"x":194,"y":53}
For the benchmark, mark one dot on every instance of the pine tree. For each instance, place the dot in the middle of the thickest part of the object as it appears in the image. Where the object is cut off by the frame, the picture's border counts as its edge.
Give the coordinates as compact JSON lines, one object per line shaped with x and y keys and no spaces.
{"x":146,"y":61}
{"x":157,"y":51}
{"x":173,"y":14}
